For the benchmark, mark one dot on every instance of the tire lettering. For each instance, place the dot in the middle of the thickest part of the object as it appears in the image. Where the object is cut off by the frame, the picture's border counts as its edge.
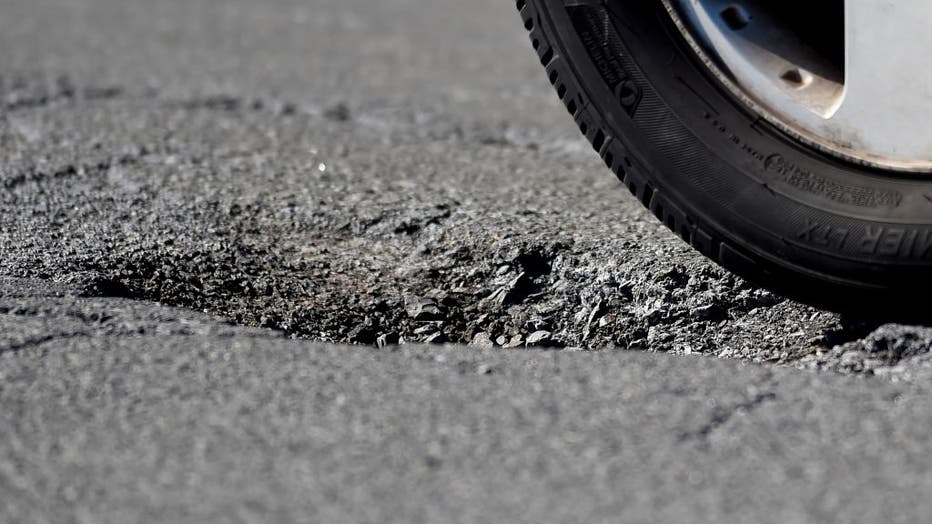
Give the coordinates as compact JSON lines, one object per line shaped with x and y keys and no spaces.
{"x":924,"y":246}
{"x":605,"y":48}
{"x":871,"y":240}
{"x":823,"y":236}
{"x":892,"y":242}
{"x":896,"y":241}
{"x":788,"y":174}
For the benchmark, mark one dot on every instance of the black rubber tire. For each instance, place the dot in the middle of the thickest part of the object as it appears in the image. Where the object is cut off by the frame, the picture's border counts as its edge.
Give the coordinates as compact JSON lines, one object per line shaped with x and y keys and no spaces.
{"x":760,"y":203}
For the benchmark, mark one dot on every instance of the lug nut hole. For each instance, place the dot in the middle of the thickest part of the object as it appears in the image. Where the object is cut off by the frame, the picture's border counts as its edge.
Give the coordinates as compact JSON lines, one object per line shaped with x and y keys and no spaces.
{"x":736,"y":17}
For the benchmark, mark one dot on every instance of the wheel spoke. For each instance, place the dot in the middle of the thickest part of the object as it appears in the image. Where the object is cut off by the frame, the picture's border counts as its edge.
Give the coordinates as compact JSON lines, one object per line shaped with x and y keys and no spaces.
{"x":887,"y":102}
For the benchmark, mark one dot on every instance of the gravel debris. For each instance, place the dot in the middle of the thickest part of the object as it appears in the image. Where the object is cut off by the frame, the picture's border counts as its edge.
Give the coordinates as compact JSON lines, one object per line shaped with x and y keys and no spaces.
{"x":336,"y":214}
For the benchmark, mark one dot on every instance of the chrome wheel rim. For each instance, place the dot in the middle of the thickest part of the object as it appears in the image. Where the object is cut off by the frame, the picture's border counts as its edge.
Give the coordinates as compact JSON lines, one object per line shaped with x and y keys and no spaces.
{"x":850,"y":77}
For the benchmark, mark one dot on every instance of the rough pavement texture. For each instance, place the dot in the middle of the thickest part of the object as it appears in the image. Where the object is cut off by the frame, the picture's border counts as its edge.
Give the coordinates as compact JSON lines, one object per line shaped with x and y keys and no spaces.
{"x":377,"y":173}
{"x":119,"y":411}
{"x":362,"y":174}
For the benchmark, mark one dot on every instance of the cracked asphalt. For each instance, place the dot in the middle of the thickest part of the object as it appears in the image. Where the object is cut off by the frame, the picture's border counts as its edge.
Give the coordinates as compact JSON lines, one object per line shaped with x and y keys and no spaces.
{"x":349,"y":261}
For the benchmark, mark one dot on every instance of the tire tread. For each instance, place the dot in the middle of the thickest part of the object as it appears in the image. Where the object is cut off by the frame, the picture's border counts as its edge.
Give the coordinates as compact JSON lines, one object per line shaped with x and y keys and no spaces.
{"x":615,"y":154}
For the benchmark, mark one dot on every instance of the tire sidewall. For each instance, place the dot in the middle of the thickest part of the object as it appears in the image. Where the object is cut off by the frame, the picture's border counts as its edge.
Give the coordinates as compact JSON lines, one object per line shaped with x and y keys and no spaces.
{"x":776,"y":200}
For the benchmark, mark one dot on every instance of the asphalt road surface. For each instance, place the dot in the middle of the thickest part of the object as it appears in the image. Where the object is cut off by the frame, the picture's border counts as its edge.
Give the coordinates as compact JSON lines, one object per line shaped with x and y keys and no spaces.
{"x":348,"y":261}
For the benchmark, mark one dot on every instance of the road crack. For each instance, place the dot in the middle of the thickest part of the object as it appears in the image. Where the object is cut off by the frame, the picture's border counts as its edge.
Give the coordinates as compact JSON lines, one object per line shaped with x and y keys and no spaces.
{"x":34,"y":342}
{"x":722,"y":415}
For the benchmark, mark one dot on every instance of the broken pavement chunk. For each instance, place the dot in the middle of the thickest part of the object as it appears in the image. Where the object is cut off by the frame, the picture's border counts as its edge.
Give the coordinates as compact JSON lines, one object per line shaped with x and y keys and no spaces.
{"x":419,"y":308}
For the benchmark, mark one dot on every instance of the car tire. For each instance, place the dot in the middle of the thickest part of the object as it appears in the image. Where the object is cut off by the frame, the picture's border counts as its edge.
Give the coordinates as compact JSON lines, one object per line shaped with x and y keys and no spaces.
{"x":759,"y":202}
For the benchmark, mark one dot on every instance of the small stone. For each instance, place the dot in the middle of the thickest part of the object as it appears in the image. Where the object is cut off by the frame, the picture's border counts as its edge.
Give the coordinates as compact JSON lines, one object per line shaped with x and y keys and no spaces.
{"x":580,"y":316}
{"x":382,"y":341}
{"x":419,"y":308}
{"x":483,"y":341}
{"x":711,"y":312}
{"x":538,"y":338}
{"x":484,"y":369}
{"x":436,"y":338}
{"x":657,"y":335}
{"x":426,"y":330}
{"x":850,"y":358}
{"x":497,"y":297}
{"x":437,"y":295}
{"x":515,"y":342}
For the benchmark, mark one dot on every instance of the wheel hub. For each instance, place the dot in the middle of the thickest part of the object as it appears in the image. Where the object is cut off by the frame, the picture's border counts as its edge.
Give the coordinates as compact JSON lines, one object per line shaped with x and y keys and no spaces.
{"x":850,"y":77}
